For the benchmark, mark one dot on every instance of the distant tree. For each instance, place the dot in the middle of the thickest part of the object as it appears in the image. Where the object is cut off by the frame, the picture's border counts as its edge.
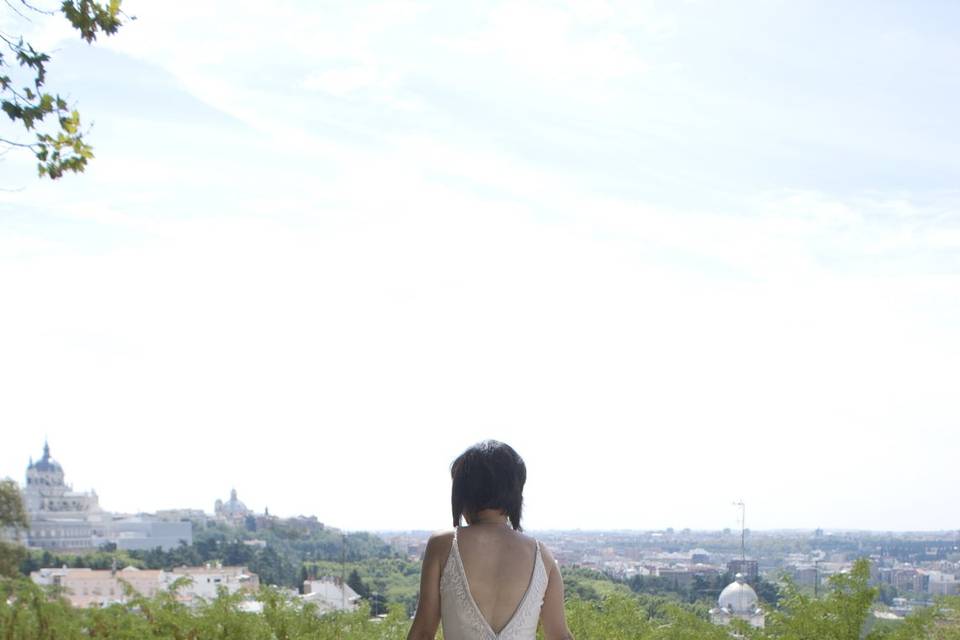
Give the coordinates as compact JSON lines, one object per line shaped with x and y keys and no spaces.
{"x":378,"y":598}
{"x":701,"y":589}
{"x":842,"y":614}
{"x":273,"y":567}
{"x":24,"y":97}
{"x":184,"y":554}
{"x":304,"y":576}
{"x":768,"y":592}
{"x":355,"y":582}
{"x":13,"y":514}
{"x":13,"y":521}
{"x":887,"y":593}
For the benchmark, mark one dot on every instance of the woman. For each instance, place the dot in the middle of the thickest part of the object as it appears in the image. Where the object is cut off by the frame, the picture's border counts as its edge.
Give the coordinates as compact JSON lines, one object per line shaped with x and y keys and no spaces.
{"x":488,"y":581}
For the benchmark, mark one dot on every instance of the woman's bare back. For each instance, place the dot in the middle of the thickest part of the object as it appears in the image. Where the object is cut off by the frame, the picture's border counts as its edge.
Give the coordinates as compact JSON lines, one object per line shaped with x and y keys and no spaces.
{"x":501,"y":595}
{"x":495,"y":590}
{"x":499,"y":564}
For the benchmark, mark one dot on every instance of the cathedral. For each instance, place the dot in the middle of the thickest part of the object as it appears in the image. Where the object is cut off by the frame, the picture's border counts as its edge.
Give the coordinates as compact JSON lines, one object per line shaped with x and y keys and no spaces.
{"x":60,"y":518}
{"x":232,"y":510}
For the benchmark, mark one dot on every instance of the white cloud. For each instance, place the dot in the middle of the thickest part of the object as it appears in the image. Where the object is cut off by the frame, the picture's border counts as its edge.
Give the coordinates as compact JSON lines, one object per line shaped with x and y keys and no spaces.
{"x":573,"y":49}
{"x":342,"y":82}
{"x":331,"y":268}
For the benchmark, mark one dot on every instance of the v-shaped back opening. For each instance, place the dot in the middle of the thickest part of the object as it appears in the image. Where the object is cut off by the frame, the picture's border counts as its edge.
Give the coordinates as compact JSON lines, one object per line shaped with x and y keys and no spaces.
{"x":466,"y":583}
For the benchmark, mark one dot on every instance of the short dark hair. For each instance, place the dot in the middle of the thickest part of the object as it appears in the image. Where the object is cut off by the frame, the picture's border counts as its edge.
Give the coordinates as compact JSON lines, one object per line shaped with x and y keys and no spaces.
{"x":488,"y":475}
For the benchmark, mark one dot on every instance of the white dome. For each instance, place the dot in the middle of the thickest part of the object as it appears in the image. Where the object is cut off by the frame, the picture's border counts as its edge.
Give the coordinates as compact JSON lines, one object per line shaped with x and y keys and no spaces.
{"x":738,"y":597}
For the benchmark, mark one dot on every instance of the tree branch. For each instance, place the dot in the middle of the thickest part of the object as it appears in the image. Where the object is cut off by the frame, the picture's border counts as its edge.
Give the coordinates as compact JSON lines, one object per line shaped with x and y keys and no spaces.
{"x":10,"y":43}
{"x":24,"y":145}
{"x":46,"y":12}
{"x":17,"y":11}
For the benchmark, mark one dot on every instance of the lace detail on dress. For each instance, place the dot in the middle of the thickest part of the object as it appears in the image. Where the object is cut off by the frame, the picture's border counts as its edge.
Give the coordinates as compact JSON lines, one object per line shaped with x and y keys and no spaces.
{"x":527,"y":615}
{"x":453,"y":581}
{"x":461,"y":616}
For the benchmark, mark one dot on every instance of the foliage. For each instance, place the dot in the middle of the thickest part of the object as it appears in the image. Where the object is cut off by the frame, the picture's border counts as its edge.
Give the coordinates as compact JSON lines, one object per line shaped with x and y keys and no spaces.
{"x":29,"y":612}
{"x":840,"y":615}
{"x":13,"y":520}
{"x":278,"y":556}
{"x":393,"y":580}
{"x":589,"y":584}
{"x":939,"y":622}
{"x":701,"y":589}
{"x":598,"y":605}
{"x":24,"y":96}
{"x":36,"y":559}
{"x":12,"y":512}
{"x":11,"y":557}
{"x":614,"y":617}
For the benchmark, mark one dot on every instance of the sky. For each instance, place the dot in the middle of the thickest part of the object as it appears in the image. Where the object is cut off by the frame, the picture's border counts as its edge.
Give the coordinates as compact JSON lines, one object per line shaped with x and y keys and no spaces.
{"x":677,"y":254}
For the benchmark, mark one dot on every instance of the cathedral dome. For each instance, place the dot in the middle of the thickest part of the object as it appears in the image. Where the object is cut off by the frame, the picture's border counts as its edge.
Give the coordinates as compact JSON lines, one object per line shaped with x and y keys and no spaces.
{"x":738,"y":597}
{"x":46,"y":463}
{"x":232,"y":507}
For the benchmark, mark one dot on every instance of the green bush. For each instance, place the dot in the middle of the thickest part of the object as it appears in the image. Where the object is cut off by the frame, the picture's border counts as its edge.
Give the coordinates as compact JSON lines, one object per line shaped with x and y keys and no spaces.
{"x":29,"y":612}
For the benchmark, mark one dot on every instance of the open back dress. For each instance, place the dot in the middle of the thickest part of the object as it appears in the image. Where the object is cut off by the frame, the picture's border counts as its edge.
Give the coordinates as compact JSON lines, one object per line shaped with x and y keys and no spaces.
{"x":461,"y":617}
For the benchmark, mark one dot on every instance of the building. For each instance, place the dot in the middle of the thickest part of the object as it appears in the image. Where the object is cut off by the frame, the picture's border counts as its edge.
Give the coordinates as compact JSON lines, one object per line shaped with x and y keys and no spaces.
{"x":233,"y":510}
{"x":909,"y":579}
{"x":307,"y":525}
{"x":684,"y":577}
{"x":99,"y":588}
{"x":143,"y":532}
{"x":749,"y":568}
{"x":942,"y":584}
{"x":182,"y":515}
{"x":738,"y":601}
{"x":206,"y":581}
{"x":807,"y":575}
{"x":330,"y":594}
{"x":700,"y":556}
{"x":60,"y":518}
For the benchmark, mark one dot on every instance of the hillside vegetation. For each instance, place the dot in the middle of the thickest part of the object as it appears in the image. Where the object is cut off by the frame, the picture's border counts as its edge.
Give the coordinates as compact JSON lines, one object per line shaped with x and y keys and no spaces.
{"x":28,"y":612}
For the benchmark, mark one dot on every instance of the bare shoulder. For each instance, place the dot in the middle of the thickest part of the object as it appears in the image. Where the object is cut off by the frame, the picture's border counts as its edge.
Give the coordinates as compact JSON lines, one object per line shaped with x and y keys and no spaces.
{"x":548,"y":560}
{"x":438,"y":546}
{"x":530,"y":540}
{"x":441,"y":537}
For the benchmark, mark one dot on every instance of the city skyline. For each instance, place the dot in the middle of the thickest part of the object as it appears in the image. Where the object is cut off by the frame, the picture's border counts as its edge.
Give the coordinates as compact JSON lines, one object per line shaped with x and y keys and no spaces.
{"x":733,"y":531}
{"x":676,"y":254}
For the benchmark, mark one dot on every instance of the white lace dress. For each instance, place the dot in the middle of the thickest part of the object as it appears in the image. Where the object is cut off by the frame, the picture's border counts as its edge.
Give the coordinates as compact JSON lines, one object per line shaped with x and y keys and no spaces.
{"x":461,"y":617}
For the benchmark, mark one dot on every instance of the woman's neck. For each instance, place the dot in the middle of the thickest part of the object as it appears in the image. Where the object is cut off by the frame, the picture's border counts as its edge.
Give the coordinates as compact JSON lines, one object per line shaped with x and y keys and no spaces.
{"x":489,"y":516}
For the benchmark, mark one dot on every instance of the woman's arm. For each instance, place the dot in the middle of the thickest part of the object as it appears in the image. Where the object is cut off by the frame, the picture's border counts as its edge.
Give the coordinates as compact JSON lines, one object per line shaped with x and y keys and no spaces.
{"x":552,"y":616}
{"x":427,"y":618}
